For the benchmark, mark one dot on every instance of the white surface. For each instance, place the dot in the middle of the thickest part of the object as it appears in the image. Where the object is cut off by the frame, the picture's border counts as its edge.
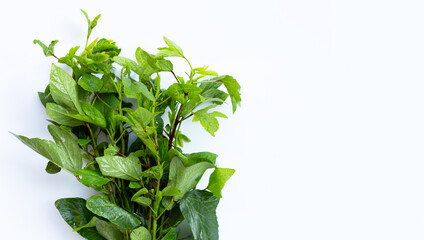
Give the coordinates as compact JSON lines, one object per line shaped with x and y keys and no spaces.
{"x":328,"y":143}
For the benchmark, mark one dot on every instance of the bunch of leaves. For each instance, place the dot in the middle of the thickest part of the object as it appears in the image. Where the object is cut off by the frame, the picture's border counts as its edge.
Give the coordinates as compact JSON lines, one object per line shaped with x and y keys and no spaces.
{"x":147,"y":186}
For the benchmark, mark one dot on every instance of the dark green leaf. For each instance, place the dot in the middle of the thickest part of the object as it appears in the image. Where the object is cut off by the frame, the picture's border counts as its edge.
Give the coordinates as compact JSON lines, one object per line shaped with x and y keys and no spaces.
{"x":52,"y":168}
{"x":74,"y":211}
{"x":199,"y":209}
{"x":128,"y":168}
{"x":217,"y":180}
{"x":100,"y":205}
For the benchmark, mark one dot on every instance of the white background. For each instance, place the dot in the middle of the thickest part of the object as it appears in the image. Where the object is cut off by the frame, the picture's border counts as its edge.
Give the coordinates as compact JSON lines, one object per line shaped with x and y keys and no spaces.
{"x":328,"y":143}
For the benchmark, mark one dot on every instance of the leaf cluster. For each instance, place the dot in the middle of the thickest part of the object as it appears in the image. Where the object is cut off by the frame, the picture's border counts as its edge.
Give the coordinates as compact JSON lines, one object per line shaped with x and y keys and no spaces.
{"x":119,"y":132}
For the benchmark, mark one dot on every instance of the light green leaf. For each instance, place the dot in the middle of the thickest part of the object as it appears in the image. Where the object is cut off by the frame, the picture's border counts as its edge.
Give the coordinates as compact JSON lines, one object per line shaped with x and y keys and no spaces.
{"x":100,"y":205}
{"x":142,"y":115}
{"x":128,"y":168}
{"x":48,"y":51}
{"x":134,"y":185}
{"x":60,"y":115}
{"x":139,"y":193}
{"x":208,"y":120}
{"x":144,"y":135}
{"x":233,"y":88}
{"x":199,"y":209}
{"x":90,"y":83}
{"x":108,"y":230}
{"x":134,"y":89}
{"x":63,"y":89}
{"x":217,"y":180}
{"x":173,"y":50}
{"x":91,"y":178}
{"x":108,"y":85}
{"x":140,"y":233}
{"x":154,"y":172}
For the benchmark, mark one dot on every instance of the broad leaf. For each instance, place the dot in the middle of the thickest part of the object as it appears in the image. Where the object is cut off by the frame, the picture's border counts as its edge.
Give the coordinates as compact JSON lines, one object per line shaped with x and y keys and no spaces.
{"x":63,"y":89}
{"x":128,"y":168}
{"x":199,"y":209}
{"x":194,"y":158}
{"x":91,"y":115}
{"x":140,"y":233}
{"x":126,"y":62}
{"x":208,"y":120}
{"x":144,"y":134}
{"x":217,"y":180}
{"x":154,"y":172}
{"x":100,"y":205}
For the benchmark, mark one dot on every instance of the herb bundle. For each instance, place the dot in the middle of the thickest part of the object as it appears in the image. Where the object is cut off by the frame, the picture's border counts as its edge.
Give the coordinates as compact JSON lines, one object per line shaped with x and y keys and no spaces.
{"x":117,"y":131}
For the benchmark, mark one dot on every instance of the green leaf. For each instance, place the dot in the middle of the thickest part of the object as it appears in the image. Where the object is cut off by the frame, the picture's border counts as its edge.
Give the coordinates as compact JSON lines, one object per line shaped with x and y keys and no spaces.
{"x":185,"y":179}
{"x":233,"y":88}
{"x":144,"y":134}
{"x":60,"y":115}
{"x":154,"y":172}
{"x":91,"y":178}
{"x":139,"y":193}
{"x":208,"y":120}
{"x":199,"y":209}
{"x":91,"y":223}
{"x":90,"y":83}
{"x":100,"y":205}
{"x":91,"y":234}
{"x":73,"y":211}
{"x":134,"y":185}
{"x":126,"y":62}
{"x":105,"y":110}
{"x":92,"y":115}
{"x":52,"y":168}
{"x":108,"y":85}
{"x":128,"y":168}
{"x":108,"y":230}
{"x":171,"y":235}
{"x":68,"y":149}
{"x":194,"y":158}
{"x":171,"y":191}
{"x":173,"y":50}
{"x":134,"y":89}
{"x":63,"y":89}
{"x":48,"y":51}
{"x":140,"y":233}
{"x":217,"y":180}
{"x":143,"y":201}
{"x":91,"y":24}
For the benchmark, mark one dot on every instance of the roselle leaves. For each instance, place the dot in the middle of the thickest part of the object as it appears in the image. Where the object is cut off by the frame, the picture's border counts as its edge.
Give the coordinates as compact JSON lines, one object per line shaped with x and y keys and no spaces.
{"x":199,"y":209}
{"x":140,"y":233}
{"x":48,"y":51}
{"x":63,"y":89}
{"x":217,"y":180}
{"x":208,"y":120}
{"x":120,"y":131}
{"x":128,"y":168}
{"x":100,"y":205}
